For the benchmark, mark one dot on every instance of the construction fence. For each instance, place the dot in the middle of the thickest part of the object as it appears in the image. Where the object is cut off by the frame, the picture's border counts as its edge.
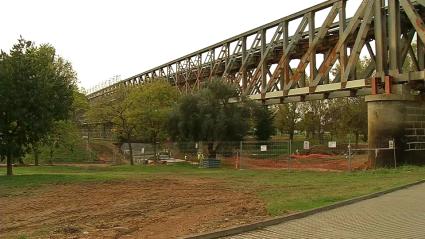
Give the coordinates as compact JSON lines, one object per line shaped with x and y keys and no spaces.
{"x":328,"y":153}
{"x":298,"y":154}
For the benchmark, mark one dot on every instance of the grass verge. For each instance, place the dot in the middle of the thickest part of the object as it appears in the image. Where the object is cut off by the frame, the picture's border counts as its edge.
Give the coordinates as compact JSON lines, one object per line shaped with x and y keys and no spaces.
{"x":281,"y":191}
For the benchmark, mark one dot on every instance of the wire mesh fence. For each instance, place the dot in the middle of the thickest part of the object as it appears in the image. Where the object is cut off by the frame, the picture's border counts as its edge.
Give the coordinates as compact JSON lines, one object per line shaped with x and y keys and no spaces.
{"x":300,"y":153}
{"x":253,"y":154}
{"x":341,"y":154}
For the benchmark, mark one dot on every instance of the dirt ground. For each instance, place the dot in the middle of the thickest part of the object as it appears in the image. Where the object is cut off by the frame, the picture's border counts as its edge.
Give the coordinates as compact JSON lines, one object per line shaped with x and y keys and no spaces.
{"x":322,"y":163}
{"x":166,"y":208}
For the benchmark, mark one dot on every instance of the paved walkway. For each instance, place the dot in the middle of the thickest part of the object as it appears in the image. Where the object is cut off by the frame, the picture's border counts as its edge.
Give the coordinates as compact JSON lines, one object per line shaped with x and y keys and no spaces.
{"x":400,"y":214}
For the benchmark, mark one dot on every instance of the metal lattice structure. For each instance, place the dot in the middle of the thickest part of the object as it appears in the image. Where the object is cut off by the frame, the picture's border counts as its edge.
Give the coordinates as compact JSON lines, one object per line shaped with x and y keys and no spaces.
{"x":270,"y":65}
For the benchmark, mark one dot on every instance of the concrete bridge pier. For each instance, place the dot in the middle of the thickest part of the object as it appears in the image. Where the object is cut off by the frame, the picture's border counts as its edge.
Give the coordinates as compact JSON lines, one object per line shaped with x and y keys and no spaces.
{"x":399,"y":116}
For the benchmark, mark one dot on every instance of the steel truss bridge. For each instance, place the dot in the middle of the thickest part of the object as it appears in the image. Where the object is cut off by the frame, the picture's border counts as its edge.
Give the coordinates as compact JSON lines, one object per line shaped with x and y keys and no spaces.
{"x":269,"y":64}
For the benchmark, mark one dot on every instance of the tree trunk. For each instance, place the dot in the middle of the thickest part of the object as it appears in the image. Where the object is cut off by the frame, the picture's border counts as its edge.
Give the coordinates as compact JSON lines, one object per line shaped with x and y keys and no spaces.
{"x":51,"y":157}
{"x":291,"y":135}
{"x":212,"y":154}
{"x":357,"y":139}
{"x":9,"y":164}
{"x":104,"y":131}
{"x":154,"y":151}
{"x":36,"y":154}
{"x":130,"y":148}
{"x":21,"y":161}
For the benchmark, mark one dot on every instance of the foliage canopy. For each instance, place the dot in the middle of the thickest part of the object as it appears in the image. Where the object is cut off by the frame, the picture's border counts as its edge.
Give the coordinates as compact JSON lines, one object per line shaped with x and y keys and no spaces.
{"x":36,"y":89}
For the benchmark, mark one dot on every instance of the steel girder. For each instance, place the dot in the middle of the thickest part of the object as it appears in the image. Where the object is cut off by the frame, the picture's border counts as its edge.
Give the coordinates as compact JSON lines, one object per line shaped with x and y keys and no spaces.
{"x":286,"y":68}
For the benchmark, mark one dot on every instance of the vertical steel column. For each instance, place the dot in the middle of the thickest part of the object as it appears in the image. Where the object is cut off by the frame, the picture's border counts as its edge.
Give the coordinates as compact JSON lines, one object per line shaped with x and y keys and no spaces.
{"x":244,"y":56}
{"x":177,"y":73}
{"x":326,"y":76}
{"x":311,"y":32}
{"x":353,"y":72}
{"x":394,"y":36}
{"x":264,"y":65}
{"x":212,"y":60}
{"x":168,"y":71}
{"x":185,"y":70}
{"x":342,"y":26}
{"x":188,"y":70}
{"x":380,"y":45}
{"x":227,"y":55}
{"x":421,"y":55}
{"x":284,"y":75}
{"x":199,"y":73}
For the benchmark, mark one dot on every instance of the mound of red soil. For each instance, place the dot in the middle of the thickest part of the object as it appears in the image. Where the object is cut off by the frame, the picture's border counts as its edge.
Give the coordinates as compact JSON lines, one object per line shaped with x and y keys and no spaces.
{"x":311,"y":156}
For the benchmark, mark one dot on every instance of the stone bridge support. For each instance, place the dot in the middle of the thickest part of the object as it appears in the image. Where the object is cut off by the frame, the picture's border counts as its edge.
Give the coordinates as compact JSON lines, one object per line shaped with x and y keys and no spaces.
{"x":400,"y":117}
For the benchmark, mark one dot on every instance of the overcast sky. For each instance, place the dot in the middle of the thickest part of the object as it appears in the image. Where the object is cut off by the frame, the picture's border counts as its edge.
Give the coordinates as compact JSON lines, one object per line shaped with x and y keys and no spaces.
{"x":126,"y":37}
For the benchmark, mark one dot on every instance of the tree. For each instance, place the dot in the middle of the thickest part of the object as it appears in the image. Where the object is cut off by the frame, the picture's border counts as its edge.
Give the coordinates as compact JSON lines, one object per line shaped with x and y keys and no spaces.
{"x":79,"y":107}
{"x":348,"y":116}
{"x":287,"y":117}
{"x":152,"y":104}
{"x":116,"y":109}
{"x":64,"y":134}
{"x":263,"y":123}
{"x":209,"y":116}
{"x":62,"y":130}
{"x":36,"y":89}
{"x":314,"y":118}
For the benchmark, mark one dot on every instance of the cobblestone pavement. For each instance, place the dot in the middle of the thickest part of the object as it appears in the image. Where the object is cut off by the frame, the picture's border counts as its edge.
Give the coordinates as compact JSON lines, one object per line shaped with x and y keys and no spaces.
{"x":400,"y":214}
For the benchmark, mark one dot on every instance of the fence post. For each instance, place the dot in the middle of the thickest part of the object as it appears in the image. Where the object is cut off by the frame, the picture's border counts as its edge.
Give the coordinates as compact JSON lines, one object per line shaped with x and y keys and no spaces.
{"x":349,"y":156}
{"x":349,"y":153}
{"x":237,"y":160}
{"x":290,"y":153}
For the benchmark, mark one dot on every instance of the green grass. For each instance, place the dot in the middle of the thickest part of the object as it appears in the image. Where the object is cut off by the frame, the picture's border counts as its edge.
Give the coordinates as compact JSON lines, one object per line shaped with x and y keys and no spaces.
{"x":281,"y":191}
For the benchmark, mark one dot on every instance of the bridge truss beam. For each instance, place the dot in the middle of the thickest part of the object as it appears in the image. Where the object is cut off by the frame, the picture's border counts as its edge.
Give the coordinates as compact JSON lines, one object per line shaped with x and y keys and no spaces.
{"x":284,"y":68}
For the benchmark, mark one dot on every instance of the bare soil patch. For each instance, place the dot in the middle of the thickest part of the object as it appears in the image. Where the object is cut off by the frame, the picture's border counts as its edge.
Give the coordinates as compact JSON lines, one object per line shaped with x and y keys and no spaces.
{"x":162,"y":208}
{"x":318,"y":163}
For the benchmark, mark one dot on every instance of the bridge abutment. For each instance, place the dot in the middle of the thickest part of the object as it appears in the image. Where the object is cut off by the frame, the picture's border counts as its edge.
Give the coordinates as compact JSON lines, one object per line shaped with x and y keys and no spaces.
{"x":399,"y":117}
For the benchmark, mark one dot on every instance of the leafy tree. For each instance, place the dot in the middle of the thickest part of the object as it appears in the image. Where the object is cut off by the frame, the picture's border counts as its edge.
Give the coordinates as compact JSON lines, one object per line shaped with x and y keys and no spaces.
{"x":36,"y":89}
{"x":64,"y":134}
{"x":357,"y":117}
{"x":63,"y":143}
{"x":63,"y":128}
{"x":116,"y":109}
{"x":408,"y":64}
{"x":80,"y":106}
{"x":152,"y":104}
{"x":209,"y":116}
{"x":287,"y":118}
{"x":348,"y":116}
{"x":314,"y":118}
{"x":263,"y":123}
{"x":364,"y":69}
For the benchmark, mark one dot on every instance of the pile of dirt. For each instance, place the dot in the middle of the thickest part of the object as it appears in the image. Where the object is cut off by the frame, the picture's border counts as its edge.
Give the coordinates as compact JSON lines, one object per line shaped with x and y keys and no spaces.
{"x":163,"y":208}
{"x":317,"y":162}
{"x":311,"y":156}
